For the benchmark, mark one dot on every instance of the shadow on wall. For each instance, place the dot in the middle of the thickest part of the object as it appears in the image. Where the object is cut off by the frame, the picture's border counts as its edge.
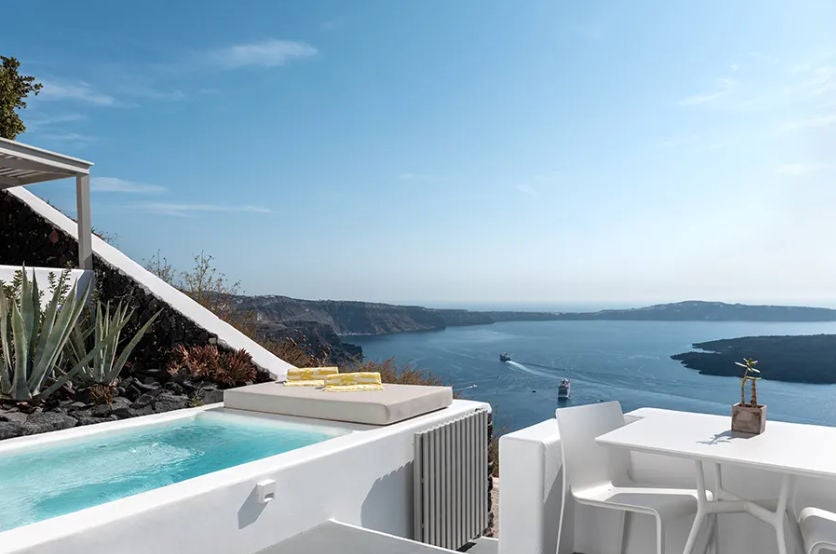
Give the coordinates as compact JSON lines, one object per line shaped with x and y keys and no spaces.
{"x":388,"y":506}
{"x":250,"y":510}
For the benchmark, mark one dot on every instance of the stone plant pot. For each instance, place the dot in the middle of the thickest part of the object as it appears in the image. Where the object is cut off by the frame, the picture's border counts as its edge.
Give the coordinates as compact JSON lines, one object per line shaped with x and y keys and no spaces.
{"x":748,"y":419}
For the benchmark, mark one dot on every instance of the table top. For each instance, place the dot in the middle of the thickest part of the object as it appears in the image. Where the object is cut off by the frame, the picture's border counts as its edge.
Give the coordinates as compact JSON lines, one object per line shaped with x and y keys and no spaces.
{"x":784,"y":447}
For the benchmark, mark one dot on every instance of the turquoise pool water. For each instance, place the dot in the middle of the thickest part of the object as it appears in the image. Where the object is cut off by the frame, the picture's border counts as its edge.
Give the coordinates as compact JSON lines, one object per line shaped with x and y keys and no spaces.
{"x":41,"y":482}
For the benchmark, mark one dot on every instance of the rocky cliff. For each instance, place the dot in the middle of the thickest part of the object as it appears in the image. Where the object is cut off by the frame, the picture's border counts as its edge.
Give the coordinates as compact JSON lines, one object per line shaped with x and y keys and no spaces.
{"x":368,"y":318}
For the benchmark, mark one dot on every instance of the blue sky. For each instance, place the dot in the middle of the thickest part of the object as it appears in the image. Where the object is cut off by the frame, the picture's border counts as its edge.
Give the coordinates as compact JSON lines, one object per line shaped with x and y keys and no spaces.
{"x":453,"y":152}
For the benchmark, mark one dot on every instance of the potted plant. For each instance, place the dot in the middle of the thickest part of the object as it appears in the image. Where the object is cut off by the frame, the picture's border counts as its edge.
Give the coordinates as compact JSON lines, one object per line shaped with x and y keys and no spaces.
{"x":749,"y":417}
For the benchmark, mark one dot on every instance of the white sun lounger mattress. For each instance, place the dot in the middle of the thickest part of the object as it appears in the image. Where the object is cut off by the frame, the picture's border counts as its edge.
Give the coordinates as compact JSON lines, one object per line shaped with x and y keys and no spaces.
{"x":392,"y":404}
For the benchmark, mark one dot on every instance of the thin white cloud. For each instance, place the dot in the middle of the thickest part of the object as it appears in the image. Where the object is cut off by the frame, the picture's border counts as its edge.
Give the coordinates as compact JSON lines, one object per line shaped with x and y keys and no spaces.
{"x":186,"y":209}
{"x":799,"y":169}
{"x":78,"y":91}
{"x":331,"y":24}
{"x":67,"y":137}
{"x":267,"y":53}
{"x":818,"y":121}
{"x":36,"y":123}
{"x":725,"y":86}
{"x":115,"y":184}
{"x":525,"y":188}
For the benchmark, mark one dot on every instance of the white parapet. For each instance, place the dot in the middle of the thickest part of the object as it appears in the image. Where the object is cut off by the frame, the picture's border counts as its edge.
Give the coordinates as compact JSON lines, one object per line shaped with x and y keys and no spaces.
{"x":532,"y":490}
{"x":81,"y":277}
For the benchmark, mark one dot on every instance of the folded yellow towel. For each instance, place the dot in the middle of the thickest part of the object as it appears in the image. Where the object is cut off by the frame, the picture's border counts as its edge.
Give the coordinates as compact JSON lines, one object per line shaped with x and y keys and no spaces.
{"x":310,"y":373}
{"x":361,"y":380}
{"x":352,"y":388}
{"x":306,"y":383}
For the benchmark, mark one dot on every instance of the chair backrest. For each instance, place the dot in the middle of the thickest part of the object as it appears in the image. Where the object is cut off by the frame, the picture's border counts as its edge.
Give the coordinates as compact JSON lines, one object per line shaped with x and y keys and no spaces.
{"x":586,"y":463}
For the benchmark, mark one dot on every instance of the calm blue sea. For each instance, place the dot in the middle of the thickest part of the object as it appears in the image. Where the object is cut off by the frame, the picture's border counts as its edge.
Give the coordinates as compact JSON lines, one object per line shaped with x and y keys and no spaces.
{"x":627,"y":361}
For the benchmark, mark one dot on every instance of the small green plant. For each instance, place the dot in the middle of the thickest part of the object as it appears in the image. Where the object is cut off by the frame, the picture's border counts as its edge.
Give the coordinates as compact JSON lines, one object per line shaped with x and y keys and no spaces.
{"x":749,"y":375}
{"x":102,"y":337}
{"x":32,"y":339}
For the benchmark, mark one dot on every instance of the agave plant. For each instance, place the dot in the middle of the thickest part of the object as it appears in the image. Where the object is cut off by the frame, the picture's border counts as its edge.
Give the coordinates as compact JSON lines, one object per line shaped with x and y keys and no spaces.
{"x":101,"y":362}
{"x":33,"y":337}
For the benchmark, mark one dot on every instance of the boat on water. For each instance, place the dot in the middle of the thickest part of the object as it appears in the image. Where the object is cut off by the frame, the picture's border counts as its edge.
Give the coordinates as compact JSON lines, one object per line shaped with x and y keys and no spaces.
{"x":564,"y":390}
{"x":505,"y":357}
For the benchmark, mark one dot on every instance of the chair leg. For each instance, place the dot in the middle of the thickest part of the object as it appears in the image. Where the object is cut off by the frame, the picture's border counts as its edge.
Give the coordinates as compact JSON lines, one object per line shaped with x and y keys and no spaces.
{"x":715,"y":535}
{"x":620,"y":530}
{"x":660,"y":536}
{"x":695,"y":531}
{"x":779,"y":535}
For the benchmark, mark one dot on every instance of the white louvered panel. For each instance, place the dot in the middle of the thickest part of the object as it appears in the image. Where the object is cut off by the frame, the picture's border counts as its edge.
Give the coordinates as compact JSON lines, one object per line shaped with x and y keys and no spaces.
{"x":451,"y":481}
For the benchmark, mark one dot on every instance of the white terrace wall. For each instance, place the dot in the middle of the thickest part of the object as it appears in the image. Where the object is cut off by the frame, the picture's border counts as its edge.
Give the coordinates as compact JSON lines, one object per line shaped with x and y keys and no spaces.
{"x":532,"y":495}
{"x":81,"y":277}
{"x":166,"y":294}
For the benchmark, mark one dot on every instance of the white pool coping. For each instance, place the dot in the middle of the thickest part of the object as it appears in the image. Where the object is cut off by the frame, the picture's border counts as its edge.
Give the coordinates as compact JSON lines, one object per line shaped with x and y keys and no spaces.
{"x":27,"y":538}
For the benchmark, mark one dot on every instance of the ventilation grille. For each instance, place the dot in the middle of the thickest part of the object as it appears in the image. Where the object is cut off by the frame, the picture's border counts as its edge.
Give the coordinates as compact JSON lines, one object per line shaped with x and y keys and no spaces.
{"x":451,"y":481}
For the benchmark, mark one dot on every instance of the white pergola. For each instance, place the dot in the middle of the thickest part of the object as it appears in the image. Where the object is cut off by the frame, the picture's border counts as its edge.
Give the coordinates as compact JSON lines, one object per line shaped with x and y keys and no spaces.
{"x":21,"y":164}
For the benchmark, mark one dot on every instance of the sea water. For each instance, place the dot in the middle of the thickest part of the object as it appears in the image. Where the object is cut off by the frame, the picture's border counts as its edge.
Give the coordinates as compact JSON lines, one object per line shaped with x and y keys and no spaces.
{"x":627,"y":361}
{"x":45,"y":481}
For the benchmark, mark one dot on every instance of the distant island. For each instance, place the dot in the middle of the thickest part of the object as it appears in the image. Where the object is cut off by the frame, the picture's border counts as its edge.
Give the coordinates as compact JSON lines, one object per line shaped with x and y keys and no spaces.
{"x":795,"y":358}
{"x":695,"y":310}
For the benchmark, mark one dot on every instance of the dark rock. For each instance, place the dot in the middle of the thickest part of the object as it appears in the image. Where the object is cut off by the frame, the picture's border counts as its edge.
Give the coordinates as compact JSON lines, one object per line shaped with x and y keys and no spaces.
{"x":47,"y":421}
{"x":119,"y":402}
{"x":175,"y":388}
{"x":143,"y":400}
{"x":124,"y":413}
{"x":100,"y":410}
{"x":13,"y":417}
{"x":212,"y":396}
{"x":168,"y":402}
{"x":10,"y":429}
{"x":89,"y":420}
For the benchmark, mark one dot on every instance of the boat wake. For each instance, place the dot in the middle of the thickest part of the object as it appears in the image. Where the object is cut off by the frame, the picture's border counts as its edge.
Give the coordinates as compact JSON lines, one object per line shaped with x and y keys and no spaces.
{"x":531,"y":371}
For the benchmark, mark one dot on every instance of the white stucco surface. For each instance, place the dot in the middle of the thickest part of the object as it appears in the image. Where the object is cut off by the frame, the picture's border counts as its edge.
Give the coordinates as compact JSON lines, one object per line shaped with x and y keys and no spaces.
{"x":82,"y":277}
{"x":226,"y":333}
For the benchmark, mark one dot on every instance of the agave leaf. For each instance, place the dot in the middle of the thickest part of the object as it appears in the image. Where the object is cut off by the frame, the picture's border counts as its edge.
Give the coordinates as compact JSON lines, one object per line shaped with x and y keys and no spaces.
{"x":128,"y":349}
{"x":5,"y":347}
{"x":56,"y":339}
{"x":63,"y":378}
{"x":19,"y":385}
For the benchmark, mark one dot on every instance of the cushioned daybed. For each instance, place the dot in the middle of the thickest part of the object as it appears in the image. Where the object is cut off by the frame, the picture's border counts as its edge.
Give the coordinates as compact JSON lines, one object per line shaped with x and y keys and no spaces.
{"x":392,"y":404}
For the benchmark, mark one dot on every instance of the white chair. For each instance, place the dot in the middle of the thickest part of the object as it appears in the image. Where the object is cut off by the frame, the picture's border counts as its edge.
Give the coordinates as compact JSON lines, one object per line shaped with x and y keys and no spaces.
{"x":598,"y":476}
{"x":818,"y":528}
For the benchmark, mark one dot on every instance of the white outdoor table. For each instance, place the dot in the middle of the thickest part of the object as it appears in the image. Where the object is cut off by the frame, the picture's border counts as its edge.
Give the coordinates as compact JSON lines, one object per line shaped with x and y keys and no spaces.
{"x":786,"y":448}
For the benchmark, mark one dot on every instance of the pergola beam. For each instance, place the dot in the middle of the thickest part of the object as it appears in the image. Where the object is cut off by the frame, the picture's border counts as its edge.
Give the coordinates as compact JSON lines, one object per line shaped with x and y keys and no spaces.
{"x":26,"y":165}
